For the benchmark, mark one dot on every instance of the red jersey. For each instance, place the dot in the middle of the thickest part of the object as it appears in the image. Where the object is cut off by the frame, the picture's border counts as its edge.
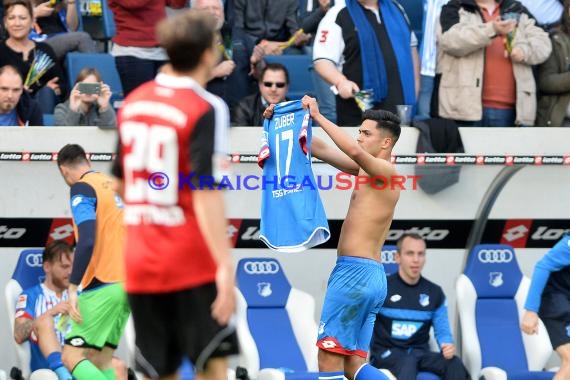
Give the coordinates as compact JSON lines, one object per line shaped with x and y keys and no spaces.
{"x":173,"y":138}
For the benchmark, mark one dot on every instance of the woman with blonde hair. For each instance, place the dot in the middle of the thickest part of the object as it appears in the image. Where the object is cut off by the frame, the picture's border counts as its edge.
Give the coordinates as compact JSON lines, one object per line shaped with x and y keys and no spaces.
{"x":88,"y":104}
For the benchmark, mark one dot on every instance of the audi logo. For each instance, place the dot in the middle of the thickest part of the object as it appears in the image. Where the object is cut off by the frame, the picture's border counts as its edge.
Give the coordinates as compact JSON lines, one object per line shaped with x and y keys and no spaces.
{"x":34,"y":260}
{"x":388,"y":257}
{"x":260,"y":267}
{"x":495,"y":256}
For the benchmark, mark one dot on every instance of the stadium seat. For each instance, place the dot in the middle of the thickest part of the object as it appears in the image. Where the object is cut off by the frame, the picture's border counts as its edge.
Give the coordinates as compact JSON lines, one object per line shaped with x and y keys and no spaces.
{"x":49,"y":120}
{"x":103,"y":62}
{"x":29,"y":272}
{"x":269,"y":310}
{"x":490,"y":296}
{"x":300,"y":79}
{"x":388,"y":255}
{"x":101,"y":27}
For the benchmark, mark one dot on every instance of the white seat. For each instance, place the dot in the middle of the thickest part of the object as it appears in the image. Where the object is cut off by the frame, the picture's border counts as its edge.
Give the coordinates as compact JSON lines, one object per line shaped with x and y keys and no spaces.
{"x":490,"y":297}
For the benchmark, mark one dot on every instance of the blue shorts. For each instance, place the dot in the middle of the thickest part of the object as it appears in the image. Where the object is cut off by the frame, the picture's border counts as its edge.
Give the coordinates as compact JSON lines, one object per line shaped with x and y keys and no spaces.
{"x":355,"y":293}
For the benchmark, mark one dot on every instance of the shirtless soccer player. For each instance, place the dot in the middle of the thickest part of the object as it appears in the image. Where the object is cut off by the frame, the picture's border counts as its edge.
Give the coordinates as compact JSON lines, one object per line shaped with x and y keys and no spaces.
{"x":357,"y":284}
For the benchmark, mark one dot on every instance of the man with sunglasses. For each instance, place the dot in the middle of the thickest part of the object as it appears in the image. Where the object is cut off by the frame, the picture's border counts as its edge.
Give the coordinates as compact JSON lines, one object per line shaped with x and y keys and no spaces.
{"x":273,"y":87}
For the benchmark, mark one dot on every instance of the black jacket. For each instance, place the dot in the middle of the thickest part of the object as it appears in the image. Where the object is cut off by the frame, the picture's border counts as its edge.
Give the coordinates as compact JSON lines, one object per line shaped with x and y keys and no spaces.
{"x":28,"y":111}
{"x":248,"y":112}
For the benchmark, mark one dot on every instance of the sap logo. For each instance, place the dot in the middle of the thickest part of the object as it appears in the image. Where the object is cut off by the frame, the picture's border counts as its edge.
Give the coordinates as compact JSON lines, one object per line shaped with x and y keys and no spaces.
{"x":405,"y":329}
{"x":515,"y":233}
{"x":496,"y":279}
{"x":545,"y":233}
{"x":11,"y":233}
{"x":264,"y":289}
{"x":426,"y":232}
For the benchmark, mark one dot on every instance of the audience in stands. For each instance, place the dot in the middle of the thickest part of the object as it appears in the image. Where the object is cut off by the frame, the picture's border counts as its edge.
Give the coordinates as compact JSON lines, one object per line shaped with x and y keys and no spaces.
{"x":485,"y":59}
{"x":57,"y":25}
{"x":554,"y":78}
{"x":19,"y":51}
{"x":87,"y":109}
{"x":546,"y":12}
{"x":311,"y":12}
{"x":413,"y":305}
{"x":262,"y":28}
{"x":17,"y":108}
{"x":223,"y":80}
{"x":428,"y":57}
{"x":135,"y":48}
{"x":273,"y":87}
{"x":382,"y":56}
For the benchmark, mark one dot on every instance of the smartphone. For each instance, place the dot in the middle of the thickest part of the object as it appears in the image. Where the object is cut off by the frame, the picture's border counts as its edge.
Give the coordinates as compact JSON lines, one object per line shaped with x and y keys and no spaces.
{"x":89,"y":88}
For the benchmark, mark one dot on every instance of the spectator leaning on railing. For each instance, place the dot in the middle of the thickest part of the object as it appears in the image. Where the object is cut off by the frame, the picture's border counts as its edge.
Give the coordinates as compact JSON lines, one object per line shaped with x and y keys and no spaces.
{"x":486,"y":50}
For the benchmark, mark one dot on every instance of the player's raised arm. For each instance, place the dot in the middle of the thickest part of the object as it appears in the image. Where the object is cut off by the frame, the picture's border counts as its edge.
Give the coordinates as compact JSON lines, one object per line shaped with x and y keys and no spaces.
{"x":351,"y":147}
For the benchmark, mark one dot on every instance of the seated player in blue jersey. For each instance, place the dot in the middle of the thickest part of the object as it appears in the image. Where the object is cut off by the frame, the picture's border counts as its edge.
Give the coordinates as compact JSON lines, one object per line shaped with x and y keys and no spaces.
{"x":40,"y":310}
{"x":357,"y":285}
{"x":549,"y":299}
{"x":413,"y":305}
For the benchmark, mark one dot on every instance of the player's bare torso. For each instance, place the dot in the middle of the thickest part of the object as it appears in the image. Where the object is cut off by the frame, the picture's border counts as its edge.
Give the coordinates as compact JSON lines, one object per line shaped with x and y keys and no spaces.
{"x":368,"y":221}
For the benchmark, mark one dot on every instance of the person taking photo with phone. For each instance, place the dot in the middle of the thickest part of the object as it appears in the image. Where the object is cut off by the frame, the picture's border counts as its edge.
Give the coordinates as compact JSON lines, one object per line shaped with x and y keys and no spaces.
{"x":88,"y":103}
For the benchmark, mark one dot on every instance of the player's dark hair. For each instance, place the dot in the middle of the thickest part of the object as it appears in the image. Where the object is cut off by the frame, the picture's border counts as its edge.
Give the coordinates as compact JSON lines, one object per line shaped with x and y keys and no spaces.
{"x":71,"y":155}
{"x":186,"y":37}
{"x":55,"y":250}
{"x":412,"y":235}
{"x":276,"y":66}
{"x":384,"y":120}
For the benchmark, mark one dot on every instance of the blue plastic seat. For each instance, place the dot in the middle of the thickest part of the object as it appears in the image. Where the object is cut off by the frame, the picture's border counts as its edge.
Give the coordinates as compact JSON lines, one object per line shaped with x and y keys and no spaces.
{"x":301,"y":82}
{"x":490,"y":296}
{"x":104,"y":63}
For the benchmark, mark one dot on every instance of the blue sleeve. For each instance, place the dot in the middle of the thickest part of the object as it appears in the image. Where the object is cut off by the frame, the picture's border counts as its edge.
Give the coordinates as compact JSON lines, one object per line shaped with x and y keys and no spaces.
{"x":83,"y":209}
{"x":556,"y":259}
{"x":441,"y":325}
{"x":83,"y":203}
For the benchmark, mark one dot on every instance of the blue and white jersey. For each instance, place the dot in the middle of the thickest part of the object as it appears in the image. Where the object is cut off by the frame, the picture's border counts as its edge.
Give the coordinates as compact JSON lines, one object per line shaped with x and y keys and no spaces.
{"x":292,"y":215}
{"x":32,"y":303}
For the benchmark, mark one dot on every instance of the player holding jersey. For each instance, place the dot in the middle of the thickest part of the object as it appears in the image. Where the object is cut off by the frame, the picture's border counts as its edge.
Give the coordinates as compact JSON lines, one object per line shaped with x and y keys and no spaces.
{"x":100,"y":312}
{"x":180,"y":275}
{"x":357,"y":285}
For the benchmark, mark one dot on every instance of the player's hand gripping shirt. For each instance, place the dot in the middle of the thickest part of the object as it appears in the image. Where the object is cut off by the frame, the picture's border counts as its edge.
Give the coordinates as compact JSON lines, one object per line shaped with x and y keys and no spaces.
{"x":292,"y":215}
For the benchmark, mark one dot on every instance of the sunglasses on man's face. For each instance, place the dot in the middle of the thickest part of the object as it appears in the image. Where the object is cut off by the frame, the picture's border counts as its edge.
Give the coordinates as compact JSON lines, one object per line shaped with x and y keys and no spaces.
{"x":276,"y":84}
